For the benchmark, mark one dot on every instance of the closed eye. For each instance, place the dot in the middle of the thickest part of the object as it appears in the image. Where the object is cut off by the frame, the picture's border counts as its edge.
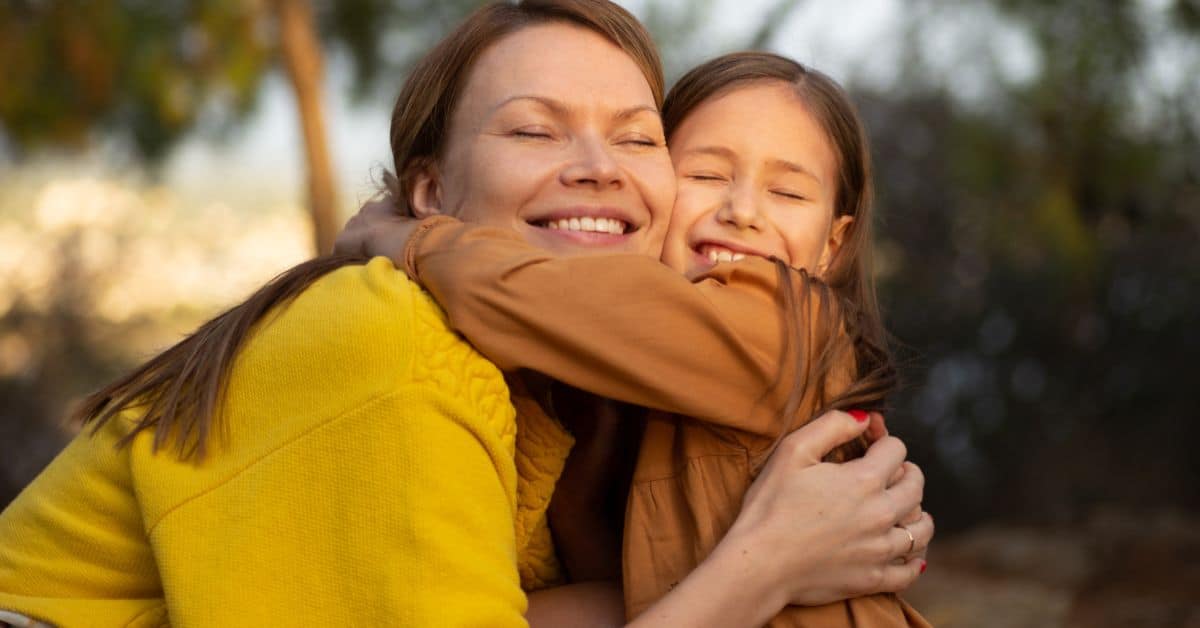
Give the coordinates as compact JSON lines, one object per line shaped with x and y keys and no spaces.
{"x":641,"y":141}
{"x":531,"y":133}
{"x":705,"y":177}
{"x":791,"y":195}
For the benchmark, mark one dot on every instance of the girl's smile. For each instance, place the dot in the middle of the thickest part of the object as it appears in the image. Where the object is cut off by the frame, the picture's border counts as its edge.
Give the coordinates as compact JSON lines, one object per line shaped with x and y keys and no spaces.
{"x":757,"y":175}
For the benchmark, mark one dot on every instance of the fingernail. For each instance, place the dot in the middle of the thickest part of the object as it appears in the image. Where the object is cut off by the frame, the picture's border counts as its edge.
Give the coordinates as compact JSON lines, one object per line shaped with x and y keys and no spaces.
{"x":859,"y":415}
{"x":923,"y":566}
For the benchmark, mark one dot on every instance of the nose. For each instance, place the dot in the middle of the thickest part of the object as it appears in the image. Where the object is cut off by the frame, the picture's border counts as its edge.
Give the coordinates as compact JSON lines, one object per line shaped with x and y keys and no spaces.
{"x":593,"y":165}
{"x":740,"y":209}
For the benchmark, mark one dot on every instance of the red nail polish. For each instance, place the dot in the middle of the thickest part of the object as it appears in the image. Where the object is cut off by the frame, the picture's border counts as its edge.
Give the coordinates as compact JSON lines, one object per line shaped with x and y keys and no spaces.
{"x":859,"y":415}
{"x":923,"y":566}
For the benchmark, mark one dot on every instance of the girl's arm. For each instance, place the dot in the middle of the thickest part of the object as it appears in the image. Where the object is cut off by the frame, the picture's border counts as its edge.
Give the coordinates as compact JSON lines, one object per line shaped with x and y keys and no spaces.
{"x":596,"y":604}
{"x":621,"y":326}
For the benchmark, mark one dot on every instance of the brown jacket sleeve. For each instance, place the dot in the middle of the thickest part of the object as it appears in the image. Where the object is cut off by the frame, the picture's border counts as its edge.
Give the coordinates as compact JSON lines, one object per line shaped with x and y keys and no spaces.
{"x":622,"y":326}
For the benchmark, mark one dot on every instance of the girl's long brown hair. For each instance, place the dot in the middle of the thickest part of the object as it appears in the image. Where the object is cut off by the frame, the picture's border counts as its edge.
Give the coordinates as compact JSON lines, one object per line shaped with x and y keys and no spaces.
{"x":840,"y":311}
{"x":179,"y":393}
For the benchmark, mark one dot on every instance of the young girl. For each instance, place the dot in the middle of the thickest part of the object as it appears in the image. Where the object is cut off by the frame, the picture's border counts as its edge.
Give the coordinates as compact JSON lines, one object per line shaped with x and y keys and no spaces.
{"x":771,"y":226}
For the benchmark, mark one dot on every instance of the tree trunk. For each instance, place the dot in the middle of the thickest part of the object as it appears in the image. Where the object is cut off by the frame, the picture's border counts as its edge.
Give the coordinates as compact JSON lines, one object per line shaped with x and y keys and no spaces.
{"x":302,"y":58}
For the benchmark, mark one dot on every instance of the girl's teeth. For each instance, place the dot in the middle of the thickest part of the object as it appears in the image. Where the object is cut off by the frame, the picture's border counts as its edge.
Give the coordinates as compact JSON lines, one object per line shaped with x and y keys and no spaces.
{"x":717,"y":254}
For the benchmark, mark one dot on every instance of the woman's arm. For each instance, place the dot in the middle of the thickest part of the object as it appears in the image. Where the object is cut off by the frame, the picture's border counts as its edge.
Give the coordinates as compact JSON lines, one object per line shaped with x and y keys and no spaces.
{"x":809,"y":533}
{"x":621,"y":326}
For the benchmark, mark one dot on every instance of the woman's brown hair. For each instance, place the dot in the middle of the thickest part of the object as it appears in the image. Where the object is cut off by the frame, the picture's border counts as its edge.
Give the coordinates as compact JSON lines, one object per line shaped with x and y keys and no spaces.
{"x":179,"y":393}
{"x":845,"y":293}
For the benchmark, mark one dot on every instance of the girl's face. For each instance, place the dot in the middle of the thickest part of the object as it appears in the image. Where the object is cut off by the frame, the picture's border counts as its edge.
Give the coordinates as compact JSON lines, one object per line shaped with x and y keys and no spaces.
{"x":757,"y":176}
{"x":556,"y":136}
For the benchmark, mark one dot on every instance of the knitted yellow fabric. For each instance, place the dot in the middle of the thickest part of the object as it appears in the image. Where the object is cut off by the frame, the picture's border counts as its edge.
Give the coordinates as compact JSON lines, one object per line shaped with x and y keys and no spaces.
{"x":372,"y":473}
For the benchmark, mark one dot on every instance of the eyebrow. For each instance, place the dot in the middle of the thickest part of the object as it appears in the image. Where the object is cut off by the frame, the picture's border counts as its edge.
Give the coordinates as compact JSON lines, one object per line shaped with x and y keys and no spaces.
{"x":560,"y":108}
{"x":795,"y":167}
{"x":727,"y":153}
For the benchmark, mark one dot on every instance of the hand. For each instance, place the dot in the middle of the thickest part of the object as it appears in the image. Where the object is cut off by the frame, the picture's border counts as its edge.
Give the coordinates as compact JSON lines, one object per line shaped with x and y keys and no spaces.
{"x":377,"y":229}
{"x":822,"y":532}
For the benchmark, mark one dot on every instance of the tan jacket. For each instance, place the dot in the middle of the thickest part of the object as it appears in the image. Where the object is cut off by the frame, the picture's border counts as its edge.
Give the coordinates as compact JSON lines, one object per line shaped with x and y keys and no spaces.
{"x":629,"y":328}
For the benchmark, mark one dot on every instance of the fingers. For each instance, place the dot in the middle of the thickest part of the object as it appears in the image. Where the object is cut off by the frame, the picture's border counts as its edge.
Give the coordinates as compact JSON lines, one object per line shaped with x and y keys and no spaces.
{"x":897,"y":475}
{"x":811,"y":443}
{"x":911,"y":539}
{"x":898,"y":577}
{"x":908,"y":493}
{"x":384,"y":206}
{"x":877,"y":428}
{"x":922,"y":530}
{"x":882,"y":460}
{"x":350,"y":240}
{"x":912,"y":517}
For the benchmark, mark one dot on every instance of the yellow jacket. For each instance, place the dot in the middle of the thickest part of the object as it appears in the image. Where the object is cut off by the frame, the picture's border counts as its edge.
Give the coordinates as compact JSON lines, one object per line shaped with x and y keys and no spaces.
{"x":372,"y":473}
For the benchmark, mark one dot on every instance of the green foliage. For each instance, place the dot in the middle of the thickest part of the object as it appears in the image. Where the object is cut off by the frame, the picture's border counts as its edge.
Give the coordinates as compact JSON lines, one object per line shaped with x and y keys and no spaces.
{"x":1044,"y":274}
{"x":146,"y":70}
{"x":150,"y":72}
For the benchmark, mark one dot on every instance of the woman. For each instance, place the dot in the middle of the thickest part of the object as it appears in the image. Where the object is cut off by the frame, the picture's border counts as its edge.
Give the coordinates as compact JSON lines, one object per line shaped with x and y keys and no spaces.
{"x":363,"y":462}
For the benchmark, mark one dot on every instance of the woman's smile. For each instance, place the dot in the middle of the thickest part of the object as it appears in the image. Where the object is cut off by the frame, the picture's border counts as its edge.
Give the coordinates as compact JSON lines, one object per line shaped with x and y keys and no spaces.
{"x":601,"y":226}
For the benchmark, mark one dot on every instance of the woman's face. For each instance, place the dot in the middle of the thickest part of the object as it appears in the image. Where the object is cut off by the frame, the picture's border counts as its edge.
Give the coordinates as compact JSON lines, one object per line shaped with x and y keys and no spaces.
{"x":557,"y":136}
{"x":757,"y":176}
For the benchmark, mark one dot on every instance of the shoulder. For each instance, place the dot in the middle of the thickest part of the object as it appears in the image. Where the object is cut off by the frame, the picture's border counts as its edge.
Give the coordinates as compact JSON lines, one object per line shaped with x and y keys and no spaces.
{"x":362,"y":345}
{"x":360,"y":332}
{"x":350,"y":330}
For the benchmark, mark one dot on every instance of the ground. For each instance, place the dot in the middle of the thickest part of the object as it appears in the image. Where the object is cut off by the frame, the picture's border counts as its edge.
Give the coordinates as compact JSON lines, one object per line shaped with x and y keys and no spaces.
{"x":1118,"y":569}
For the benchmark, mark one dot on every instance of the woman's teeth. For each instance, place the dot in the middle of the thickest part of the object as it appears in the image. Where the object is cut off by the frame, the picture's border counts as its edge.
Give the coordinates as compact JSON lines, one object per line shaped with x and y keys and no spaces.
{"x":720,"y":254}
{"x":588,"y":223}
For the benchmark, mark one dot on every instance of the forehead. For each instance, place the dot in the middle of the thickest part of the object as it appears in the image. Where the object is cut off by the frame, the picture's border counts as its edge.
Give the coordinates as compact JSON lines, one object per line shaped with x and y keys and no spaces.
{"x":561,"y":61}
{"x":759,"y":122}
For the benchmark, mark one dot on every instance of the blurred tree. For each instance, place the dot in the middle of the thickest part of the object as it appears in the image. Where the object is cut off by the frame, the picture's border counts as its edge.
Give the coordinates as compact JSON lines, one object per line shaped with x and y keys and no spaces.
{"x":1040,"y":261}
{"x":148,"y":73}
{"x":302,"y":58}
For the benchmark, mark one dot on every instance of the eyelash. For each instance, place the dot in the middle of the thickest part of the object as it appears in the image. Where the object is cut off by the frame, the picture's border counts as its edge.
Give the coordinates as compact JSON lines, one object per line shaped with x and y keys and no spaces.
{"x":642,"y":142}
{"x":795,"y":197}
{"x":649,"y":143}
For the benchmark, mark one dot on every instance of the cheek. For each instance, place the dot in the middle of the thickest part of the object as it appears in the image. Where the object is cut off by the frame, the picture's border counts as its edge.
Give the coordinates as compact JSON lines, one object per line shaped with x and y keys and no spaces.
{"x":492,"y":188}
{"x":691,"y":205}
{"x":804,"y":237}
{"x":654,"y":178}
{"x":691,"y":202}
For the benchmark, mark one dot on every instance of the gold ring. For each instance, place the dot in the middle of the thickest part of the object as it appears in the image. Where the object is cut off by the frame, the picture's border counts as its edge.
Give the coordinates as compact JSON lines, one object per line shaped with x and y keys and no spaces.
{"x":912,"y":542}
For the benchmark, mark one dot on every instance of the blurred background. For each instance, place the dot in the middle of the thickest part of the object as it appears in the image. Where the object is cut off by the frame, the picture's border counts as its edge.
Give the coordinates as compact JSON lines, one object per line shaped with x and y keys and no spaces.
{"x":1038,"y":167}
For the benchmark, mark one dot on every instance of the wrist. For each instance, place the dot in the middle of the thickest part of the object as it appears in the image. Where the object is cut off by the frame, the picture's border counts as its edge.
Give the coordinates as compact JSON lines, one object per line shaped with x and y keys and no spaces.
{"x":726,"y":589}
{"x":760,"y":577}
{"x":411,"y":247}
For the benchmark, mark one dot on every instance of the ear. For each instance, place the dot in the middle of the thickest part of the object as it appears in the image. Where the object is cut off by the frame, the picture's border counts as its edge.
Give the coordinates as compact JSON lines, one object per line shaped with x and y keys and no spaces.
{"x":425,"y":190}
{"x":837,"y":235}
